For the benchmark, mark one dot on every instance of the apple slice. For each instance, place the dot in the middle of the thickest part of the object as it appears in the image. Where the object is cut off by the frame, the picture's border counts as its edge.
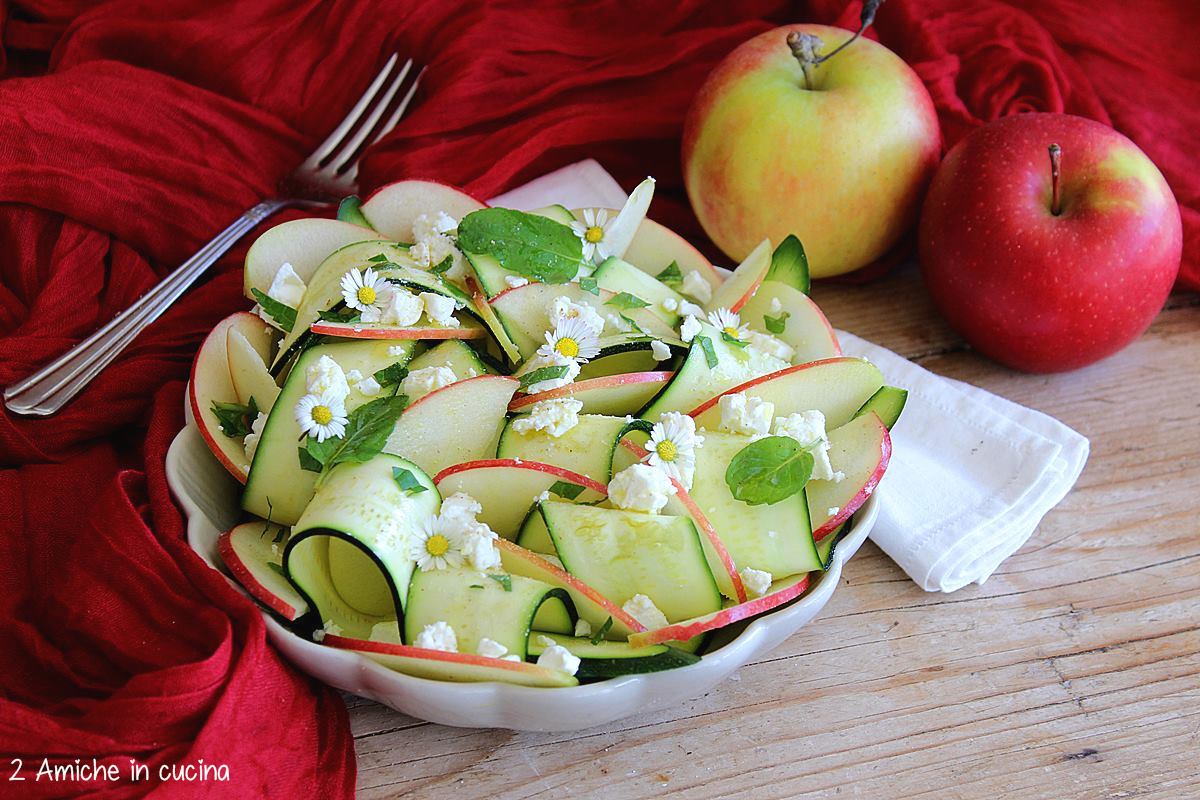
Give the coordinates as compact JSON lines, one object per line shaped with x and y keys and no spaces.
{"x":392,"y":209}
{"x":485,"y":312}
{"x":255,"y":559}
{"x":457,"y":423}
{"x":469,"y":329}
{"x":837,"y":387}
{"x":248,"y":365}
{"x":508,"y":487}
{"x":745,"y":280}
{"x":591,"y":605}
{"x":805,"y":327}
{"x":861,"y":449}
{"x":439,"y":665}
{"x":781,"y":591}
{"x":211,"y":382}
{"x":614,"y":395}
{"x":655,"y":247}
{"x":303,"y":243}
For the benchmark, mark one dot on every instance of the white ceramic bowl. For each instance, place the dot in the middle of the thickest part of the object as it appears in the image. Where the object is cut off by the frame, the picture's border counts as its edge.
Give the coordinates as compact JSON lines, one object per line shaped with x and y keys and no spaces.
{"x":209,"y":497}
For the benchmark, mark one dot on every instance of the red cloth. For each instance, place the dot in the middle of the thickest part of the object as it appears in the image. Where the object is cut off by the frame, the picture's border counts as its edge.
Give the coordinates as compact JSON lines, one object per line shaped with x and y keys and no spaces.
{"x":131,"y":131}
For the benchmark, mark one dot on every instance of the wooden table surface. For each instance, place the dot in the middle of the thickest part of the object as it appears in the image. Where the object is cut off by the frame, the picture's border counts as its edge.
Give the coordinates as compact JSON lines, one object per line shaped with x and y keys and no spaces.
{"x":1074,"y":672}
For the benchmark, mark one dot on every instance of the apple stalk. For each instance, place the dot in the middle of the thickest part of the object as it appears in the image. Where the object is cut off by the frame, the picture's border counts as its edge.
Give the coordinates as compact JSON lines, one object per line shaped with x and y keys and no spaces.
{"x":804,"y":46}
{"x":1055,"y":173}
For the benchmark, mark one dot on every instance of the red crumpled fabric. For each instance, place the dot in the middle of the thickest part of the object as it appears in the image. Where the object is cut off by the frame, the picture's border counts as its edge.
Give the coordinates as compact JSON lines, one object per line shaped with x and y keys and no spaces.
{"x":130,"y":132}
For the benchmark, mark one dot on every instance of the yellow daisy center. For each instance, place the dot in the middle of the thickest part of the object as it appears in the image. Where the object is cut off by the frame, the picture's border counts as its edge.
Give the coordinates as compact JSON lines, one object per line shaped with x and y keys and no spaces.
{"x":437,"y":545}
{"x":594,"y":234}
{"x":567,"y":346}
{"x":366,"y":295}
{"x":322,"y":415}
{"x":666,"y":450}
{"x":732,"y":332}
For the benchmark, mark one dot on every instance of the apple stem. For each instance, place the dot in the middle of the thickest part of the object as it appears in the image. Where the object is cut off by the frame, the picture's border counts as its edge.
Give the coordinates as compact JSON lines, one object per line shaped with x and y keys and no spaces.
{"x":1055,"y":171}
{"x":805,"y":45}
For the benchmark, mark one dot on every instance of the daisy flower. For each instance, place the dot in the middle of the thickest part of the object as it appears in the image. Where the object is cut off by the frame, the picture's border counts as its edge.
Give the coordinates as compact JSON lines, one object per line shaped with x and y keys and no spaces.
{"x":591,"y":232}
{"x":571,"y":338}
{"x":322,"y":416}
{"x":434,"y":546}
{"x":672,"y":446}
{"x":365,"y":292}
{"x":729,"y":323}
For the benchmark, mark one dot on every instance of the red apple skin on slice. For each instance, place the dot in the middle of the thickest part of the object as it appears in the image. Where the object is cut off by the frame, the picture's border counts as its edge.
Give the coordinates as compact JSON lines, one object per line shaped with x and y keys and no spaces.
{"x":289,"y":605}
{"x":739,"y":287}
{"x":806,"y":328}
{"x":211,"y":381}
{"x":589,"y":389}
{"x":303,"y":243}
{"x":364,"y":330}
{"x":782,"y":591}
{"x":862,"y":449}
{"x":393,"y":208}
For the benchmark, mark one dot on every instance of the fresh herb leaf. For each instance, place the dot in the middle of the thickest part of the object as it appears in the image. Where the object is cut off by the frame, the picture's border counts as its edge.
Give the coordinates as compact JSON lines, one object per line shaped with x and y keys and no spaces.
{"x":633,"y":326}
{"x":350,"y":210}
{"x":276,"y":568}
{"x":307,"y":461}
{"x":672,"y":276}
{"x":566,"y":489}
{"x":598,"y":636}
{"x":475,"y":586}
{"x":407,"y":481}
{"x":543,"y":374}
{"x":283,"y":314}
{"x":769,"y":470}
{"x":626,"y":300}
{"x":503,"y":580}
{"x":527,"y":244}
{"x":389,"y":376}
{"x":733,"y":340}
{"x":379,"y":258}
{"x":443,"y":266}
{"x":590,"y":285}
{"x":789,"y":264}
{"x":367,"y":431}
{"x":235,"y":419}
{"x":776,"y":324}
{"x":710,"y":353}
{"x":281,"y":535}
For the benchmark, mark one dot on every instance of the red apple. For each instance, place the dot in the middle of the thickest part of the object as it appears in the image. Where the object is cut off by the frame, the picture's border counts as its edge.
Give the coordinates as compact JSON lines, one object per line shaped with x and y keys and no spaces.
{"x":1041,"y":286}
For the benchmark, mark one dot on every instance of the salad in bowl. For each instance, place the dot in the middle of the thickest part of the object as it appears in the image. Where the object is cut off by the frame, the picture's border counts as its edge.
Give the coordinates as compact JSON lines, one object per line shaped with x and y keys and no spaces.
{"x":541,"y":448}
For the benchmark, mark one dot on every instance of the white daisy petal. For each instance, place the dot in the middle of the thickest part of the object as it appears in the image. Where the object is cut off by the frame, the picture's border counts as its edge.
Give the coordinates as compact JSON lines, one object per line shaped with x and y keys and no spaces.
{"x":573,"y":338}
{"x":672,"y":446}
{"x":322,"y":416}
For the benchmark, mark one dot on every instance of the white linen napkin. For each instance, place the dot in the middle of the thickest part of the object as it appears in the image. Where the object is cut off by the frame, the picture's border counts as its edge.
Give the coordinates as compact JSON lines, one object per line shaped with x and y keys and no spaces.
{"x":971,"y":475}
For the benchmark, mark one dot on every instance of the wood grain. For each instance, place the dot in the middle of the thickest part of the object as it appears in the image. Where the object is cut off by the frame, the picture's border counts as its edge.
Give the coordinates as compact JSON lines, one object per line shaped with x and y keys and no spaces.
{"x":1074,"y":672}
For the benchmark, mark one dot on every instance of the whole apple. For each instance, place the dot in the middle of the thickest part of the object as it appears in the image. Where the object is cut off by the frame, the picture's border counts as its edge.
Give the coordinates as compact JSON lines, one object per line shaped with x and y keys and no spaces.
{"x":1044,"y":280}
{"x":840,"y":157}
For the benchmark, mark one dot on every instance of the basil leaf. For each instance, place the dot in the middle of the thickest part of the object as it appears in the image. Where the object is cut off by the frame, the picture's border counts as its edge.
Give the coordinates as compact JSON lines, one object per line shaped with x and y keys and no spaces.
{"x":389,"y":376}
{"x":598,"y":636}
{"x":789,"y":264}
{"x":281,"y":535}
{"x":626,"y":300}
{"x":367,"y":431}
{"x":235,"y":419}
{"x":475,"y":586}
{"x":283,"y":314}
{"x":308,"y":462}
{"x":542,"y":374}
{"x":733,"y":340}
{"x":407,"y":481}
{"x":776,"y":324}
{"x":527,"y":244}
{"x":350,"y":210}
{"x":276,"y":568}
{"x":503,"y":580}
{"x":589,"y":285}
{"x":672,"y":276}
{"x":378,"y":258}
{"x":710,"y":354}
{"x":443,"y":266}
{"x":633,"y":326}
{"x":769,"y":470}
{"x":566,"y":489}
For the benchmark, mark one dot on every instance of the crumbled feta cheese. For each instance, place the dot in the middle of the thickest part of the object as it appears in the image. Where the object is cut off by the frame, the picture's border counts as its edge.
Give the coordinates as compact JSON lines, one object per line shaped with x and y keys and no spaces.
{"x":438,"y":636}
{"x":287,"y":287}
{"x":397,"y":350}
{"x":583,"y":628}
{"x":690,"y":309}
{"x":562,"y":309}
{"x":555,"y":360}
{"x":421,"y":382}
{"x":326,"y":378}
{"x":756,"y":581}
{"x":775,"y":306}
{"x":617,"y":322}
{"x":515,"y":281}
{"x":554,"y":417}
{"x":543,"y":497}
{"x":808,"y":428}
{"x":439,"y":309}
{"x":460,"y":507}
{"x":401,"y":307}
{"x":642,"y":608}
{"x":353,"y":375}
{"x":490,"y":648}
{"x":426,"y":226}
{"x":251,"y":440}
{"x":771,"y":534}
{"x":695,"y":285}
{"x":670,"y":304}
{"x":659,"y":350}
{"x":368,"y":386}
{"x":750,"y":416}
{"x":766,"y":343}
{"x":555,"y":656}
{"x":640,"y":487}
{"x":328,"y":628}
{"x":833,"y":511}
{"x":480,"y":548}
{"x":689,"y":328}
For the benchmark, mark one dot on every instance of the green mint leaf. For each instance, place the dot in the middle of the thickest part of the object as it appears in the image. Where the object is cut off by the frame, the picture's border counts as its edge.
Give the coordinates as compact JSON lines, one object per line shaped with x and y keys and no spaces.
{"x":626,"y":300}
{"x":350,"y":210}
{"x":789,"y":264}
{"x":710,"y":353}
{"x":308,"y":461}
{"x":443,"y":266}
{"x":598,"y":636}
{"x":378,"y":258}
{"x":776,"y":324}
{"x":542,"y":374}
{"x":566,"y":489}
{"x":475,"y":586}
{"x":672,"y":276}
{"x":367,"y":431}
{"x":527,"y":244}
{"x":235,"y":419}
{"x":733,"y":340}
{"x":769,"y":470}
{"x":276,"y":568}
{"x":280,"y":536}
{"x":407,"y":481}
{"x":389,"y":376}
{"x":589,"y":284}
{"x":503,"y":580}
{"x":284,"y":315}
{"x":633,"y":326}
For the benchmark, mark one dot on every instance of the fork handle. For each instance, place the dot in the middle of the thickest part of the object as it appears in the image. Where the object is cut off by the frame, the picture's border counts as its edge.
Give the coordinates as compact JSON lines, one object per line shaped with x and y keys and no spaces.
{"x":54,"y":385}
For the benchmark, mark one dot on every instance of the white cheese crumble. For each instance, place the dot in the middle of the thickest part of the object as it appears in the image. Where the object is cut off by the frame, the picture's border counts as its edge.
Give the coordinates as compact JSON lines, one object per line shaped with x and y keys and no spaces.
{"x":480,"y":549}
{"x":563,"y":309}
{"x":555,"y":656}
{"x":368,"y":386}
{"x":457,"y":518}
{"x":490,"y":648}
{"x":808,"y":428}
{"x":515,"y":281}
{"x":775,"y":306}
{"x":689,"y":328}
{"x":766,"y":343}
{"x":833,"y":511}
{"x":397,"y":350}
{"x":421,"y":382}
{"x":582,"y":628}
{"x":354,"y":375}
{"x":461,"y":508}
{"x":690,"y":309}
{"x":401,"y":307}
{"x":328,"y":628}
{"x":251,"y":440}
{"x":426,"y":226}
{"x":670,"y":304}
{"x":438,"y":636}
{"x":697,"y":287}
{"x":756,"y":581}
{"x":642,"y":608}
{"x":543,"y":497}
{"x":553,"y":417}
{"x":326,"y":379}
{"x":287,"y":287}
{"x":555,"y":360}
{"x":750,"y":416}
{"x":640,"y":487}
{"x":439,"y":309}
{"x":659,"y":350}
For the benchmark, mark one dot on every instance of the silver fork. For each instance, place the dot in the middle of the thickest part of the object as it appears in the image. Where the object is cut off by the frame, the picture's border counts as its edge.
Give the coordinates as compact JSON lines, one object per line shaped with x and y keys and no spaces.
{"x":329,"y":173}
